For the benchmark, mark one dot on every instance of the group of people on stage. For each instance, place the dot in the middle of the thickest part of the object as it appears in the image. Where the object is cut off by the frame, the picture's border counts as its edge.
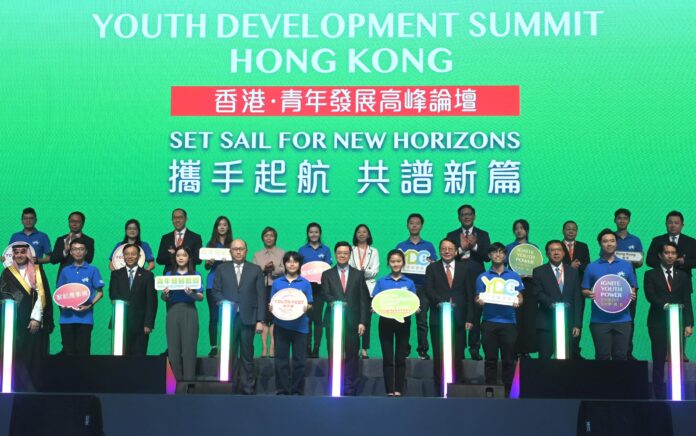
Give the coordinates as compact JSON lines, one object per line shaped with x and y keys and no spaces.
{"x":455,"y":273}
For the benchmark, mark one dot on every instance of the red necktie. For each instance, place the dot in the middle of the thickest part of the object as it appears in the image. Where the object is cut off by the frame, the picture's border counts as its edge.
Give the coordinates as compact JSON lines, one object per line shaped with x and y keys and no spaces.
{"x":448,"y":269}
{"x":343,"y":279}
{"x":571,"y":249}
{"x":179,"y":239}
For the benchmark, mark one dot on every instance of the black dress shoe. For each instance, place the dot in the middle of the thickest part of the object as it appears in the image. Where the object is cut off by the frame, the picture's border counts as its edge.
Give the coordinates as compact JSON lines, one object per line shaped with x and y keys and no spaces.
{"x":423,"y":356}
{"x":475,"y":355}
{"x":213,"y":352}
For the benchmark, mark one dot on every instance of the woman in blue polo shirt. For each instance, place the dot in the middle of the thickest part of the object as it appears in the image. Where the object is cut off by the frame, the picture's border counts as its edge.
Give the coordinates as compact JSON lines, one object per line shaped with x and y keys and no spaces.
{"x":394,"y":335}
{"x":312,"y":251}
{"x":182,"y":319}
{"x":291,"y":333}
{"x":132,"y":236}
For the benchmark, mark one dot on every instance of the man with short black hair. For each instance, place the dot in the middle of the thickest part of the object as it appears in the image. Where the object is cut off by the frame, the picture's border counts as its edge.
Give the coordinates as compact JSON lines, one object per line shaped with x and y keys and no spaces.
{"x":37,"y":240}
{"x":61,"y":248}
{"x":180,"y":237}
{"x":576,"y":254}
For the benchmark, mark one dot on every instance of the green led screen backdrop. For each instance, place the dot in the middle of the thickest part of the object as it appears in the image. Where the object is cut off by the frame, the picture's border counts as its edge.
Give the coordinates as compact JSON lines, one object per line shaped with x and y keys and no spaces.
{"x":281,"y":113}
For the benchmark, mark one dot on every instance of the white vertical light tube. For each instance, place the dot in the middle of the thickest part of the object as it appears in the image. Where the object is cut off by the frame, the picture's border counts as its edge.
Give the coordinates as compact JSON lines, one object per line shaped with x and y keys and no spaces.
{"x":225,"y":339}
{"x":337,"y":349}
{"x":675,"y":345}
{"x":119,"y":327}
{"x":447,"y":370}
{"x":8,"y":345}
{"x":560,"y":317}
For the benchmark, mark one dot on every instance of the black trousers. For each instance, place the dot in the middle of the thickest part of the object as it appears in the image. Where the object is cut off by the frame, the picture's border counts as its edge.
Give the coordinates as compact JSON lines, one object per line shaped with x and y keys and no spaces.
{"x":526,"y":320}
{"x":611,"y":340}
{"x":242,"y":356}
{"x":394,"y":337}
{"x":659,"y":339}
{"x":351,"y":346}
{"x":459,"y":336}
{"x":214,"y":311}
{"x":475,"y":332}
{"x":316,"y":319}
{"x":575,"y":342}
{"x":632,"y":309}
{"x":499,"y":337}
{"x":422,"y":320}
{"x":136,"y":341}
{"x":76,"y":338}
{"x":365,"y":338}
{"x":286,"y":339}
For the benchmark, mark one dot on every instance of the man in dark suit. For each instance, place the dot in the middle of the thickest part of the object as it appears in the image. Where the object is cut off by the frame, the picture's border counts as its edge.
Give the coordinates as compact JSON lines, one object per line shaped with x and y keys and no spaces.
{"x":472,"y":248}
{"x":666,"y":285}
{"x":181,"y":236}
{"x":686,"y":245}
{"x":61,"y":248}
{"x":242,"y":283}
{"x":347,"y":284}
{"x":446,"y":281}
{"x":556,"y":282}
{"x":135,"y":286}
{"x":576,"y":254}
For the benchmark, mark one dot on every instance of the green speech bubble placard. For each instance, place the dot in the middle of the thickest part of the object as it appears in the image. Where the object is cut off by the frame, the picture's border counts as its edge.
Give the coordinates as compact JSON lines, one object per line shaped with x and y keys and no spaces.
{"x":396,"y":304}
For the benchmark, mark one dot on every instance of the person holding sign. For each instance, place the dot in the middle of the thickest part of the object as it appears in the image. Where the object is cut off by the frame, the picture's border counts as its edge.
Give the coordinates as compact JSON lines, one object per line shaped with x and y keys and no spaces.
{"x":291,"y":333}
{"x":221,"y":238}
{"x":313,"y":251}
{"x":664,"y":286}
{"x":527,"y":312}
{"x":347,"y":284}
{"x":241,"y":283}
{"x":365,"y":258}
{"x":610,"y":323}
{"x":555,"y":282}
{"x":419,"y":254}
{"x":62,"y":253}
{"x":499,"y":292}
{"x":270,"y":259}
{"x":447,"y":281}
{"x":182,"y":318}
{"x":472,"y":245}
{"x":38,"y":240}
{"x":76,"y":322}
{"x":577,"y":256}
{"x":136,"y":286}
{"x":132,"y":236}
{"x":26,"y":283}
{"x":394,"y":334}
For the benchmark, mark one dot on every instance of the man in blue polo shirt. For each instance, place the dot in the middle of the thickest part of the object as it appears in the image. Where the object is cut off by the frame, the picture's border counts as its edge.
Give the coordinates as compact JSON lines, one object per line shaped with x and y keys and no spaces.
{"x":628,"y":243}
{"x":423,"y":253}
{"x":610,"y":331}
{"x":76,"y":324}
{"x":38,"y":240}
{"x":498,"y":322}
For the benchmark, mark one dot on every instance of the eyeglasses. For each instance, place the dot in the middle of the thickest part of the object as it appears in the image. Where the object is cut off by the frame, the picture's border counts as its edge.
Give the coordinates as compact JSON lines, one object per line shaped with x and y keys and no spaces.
{"x":78,"y":249}
{"x":238,"y":249}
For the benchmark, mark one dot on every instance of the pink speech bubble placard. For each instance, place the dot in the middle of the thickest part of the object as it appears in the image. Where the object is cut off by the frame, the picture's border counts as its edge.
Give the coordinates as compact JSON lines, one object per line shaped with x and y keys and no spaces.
{"x":312,"y":270}
{"x":71,"y":295}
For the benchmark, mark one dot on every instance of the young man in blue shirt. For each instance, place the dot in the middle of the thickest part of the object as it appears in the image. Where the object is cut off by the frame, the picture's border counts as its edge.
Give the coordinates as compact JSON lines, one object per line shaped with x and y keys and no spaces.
{"x":610,"y":331}
{"x":414,"y":224}
{"x":498,"y":322}
{"x":76,"y":324}
{"x":38,"y":240}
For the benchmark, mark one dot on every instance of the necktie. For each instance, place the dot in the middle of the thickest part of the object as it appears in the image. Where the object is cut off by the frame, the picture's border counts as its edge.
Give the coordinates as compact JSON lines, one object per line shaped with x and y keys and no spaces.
{"x":179,"y":239}
{"x":448,"y":270}
{"x":571,"y":249}
{"x":559,"y":278}
{"x":669,"y":279}
{"x":238,"y":272}
{"x":674,"y":239}
{"x":343,"y":279}
{"x":130,"y":278}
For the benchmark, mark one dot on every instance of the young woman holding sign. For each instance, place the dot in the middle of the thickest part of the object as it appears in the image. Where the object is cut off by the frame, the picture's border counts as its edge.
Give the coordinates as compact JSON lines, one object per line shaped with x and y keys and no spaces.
{"x":394,"y":335}
{"x":221,"y":238}
{"x":132,"y":236}
{"x":291,"y":333}
{"x":182,"y":318}
{"x":365,"y":258}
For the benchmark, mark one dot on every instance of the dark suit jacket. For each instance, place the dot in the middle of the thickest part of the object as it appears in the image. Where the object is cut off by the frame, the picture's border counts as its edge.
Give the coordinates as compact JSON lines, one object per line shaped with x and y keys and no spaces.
{"x":356,"y":297}
{"x":192,"y":240}
{"x":475,"y":265}
{"x":438,"y":291}
{"x":249,"y":295}
{"x":580,"y":252}
{"x":141,"y":298}
{"x":657,"y":293}
{"x":548,"y":292}
{"x":58,"y":257}
{"x":686,"y":247}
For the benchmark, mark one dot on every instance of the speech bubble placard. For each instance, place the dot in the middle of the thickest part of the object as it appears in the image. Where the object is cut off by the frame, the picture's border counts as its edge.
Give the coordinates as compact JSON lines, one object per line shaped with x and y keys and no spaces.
{"x":524,"y":258}
{"x":396,"y":304}
{"x":71,"y":295}
{"x":612,"y":293}
{"x":117,"y":258}
{"x":177,"y":282}
{"x":416,"y":261}
{"x":288,"y":304}
{"x":8,"y":252}
{"x":312,"y":270}
{"x":209,"y":253}
{"x":500,"y":291}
